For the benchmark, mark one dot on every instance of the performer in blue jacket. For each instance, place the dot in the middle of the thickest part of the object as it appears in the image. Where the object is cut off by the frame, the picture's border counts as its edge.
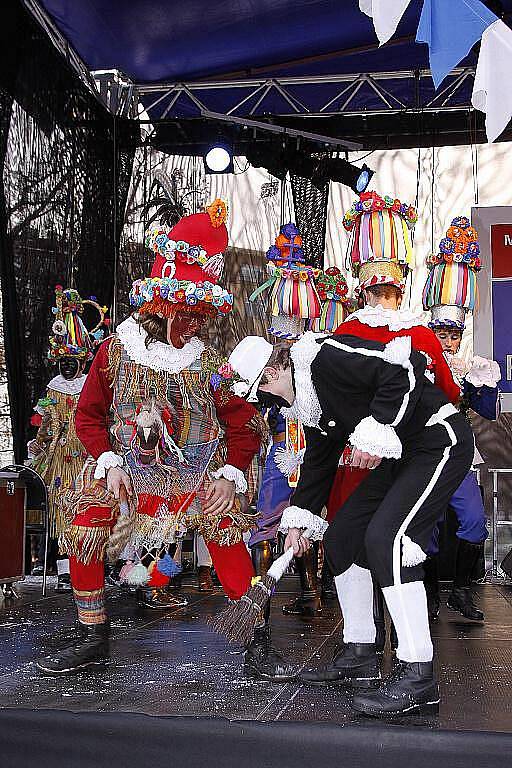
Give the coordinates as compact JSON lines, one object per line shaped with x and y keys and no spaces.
{"x":450,"y":292}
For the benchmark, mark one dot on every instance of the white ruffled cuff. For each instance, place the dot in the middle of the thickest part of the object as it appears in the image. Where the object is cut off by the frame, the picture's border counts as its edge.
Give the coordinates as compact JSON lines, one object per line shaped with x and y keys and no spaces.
{"x":376,"y":439}
{"x":104,"y":462}
{"x":297,"y":517}
{"x":229,"y":472}
{"x":483,"y":372}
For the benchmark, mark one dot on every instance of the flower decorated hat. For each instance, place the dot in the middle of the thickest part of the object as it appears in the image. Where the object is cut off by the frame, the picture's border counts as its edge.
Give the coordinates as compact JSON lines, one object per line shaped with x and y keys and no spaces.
{"x":293,"y":296}
{"x":70,"y":337}
{"x":333,"y":293}
{"x":380,"y":248}
{"x":451,"y":287}
{"x":187,"y":268}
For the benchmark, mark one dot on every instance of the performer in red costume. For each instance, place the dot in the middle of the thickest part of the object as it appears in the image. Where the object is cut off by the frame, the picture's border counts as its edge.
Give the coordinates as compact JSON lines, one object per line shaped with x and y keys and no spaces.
{"x":168,"y":441}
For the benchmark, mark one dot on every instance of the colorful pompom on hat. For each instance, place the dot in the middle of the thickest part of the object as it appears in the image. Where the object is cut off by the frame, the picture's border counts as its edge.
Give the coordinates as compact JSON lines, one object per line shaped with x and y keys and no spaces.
{"x":332,"y":290}
{"x":380,"y":248}
{"x":451,"y":287}
{"x":70,"y":337}
{"x":293,"y":295}
{"x":188,"y":265}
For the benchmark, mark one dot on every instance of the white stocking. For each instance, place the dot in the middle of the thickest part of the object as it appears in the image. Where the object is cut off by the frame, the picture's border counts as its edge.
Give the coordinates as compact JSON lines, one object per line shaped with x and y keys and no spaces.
{"x":355,"y":594}
{"x":407,"y":606}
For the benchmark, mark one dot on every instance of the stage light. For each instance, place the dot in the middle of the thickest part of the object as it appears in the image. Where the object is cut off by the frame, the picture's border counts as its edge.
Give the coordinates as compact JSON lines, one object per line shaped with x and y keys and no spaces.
{"x":349,"y":174}
{"x":363,"y":179}
{"x":218,"y":159}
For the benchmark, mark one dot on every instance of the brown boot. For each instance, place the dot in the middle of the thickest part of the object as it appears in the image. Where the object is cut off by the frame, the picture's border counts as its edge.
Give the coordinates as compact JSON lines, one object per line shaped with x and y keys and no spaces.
{"x":204,"y":576}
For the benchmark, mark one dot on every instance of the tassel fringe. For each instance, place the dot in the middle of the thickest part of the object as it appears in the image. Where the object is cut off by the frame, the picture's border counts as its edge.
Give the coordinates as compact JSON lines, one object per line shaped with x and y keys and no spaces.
{"x":412,"y":553}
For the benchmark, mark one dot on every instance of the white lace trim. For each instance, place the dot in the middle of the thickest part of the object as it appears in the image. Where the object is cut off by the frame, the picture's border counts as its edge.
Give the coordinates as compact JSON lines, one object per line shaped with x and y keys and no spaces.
{"x":158,"y":356}
{"x":303,"y":352}
{"x":483,"y":372}
{"x":288,"y":461}
{"x":398,"y":351}
{"x":291,"y":412}
{"x":67,"y":387}
{"x":107,"y":460}
{"x":412,"y":553}
{"x":394,"y":319}
{"x":376,"y":439}
{"x":229,"y":472}
{"x":297,"y":517}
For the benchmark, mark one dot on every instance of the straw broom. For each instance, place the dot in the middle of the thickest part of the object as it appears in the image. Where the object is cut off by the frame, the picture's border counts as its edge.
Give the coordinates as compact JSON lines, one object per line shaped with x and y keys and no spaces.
{"x":238,"y":620}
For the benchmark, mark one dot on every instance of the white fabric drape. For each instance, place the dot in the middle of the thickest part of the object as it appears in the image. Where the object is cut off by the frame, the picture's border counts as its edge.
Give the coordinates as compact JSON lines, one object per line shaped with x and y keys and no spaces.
{"x":386,"y":15}
{"x":492,"y":93}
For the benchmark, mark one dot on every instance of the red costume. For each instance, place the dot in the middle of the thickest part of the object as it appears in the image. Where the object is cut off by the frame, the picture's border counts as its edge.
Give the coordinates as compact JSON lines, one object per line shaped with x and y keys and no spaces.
{"x":240,"y":424}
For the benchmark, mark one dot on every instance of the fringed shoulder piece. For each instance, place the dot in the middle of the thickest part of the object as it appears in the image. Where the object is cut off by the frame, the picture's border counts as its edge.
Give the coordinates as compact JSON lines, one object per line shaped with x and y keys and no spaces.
{"x":115,"y":349}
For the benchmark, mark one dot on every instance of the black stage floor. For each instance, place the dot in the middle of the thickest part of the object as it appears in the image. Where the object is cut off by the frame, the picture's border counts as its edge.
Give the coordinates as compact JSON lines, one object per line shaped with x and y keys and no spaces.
{"x":171,"y":664}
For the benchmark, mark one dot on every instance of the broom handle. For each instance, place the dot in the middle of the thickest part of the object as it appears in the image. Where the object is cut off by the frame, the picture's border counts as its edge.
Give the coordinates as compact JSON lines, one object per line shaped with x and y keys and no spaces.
{"x":279,"y":566}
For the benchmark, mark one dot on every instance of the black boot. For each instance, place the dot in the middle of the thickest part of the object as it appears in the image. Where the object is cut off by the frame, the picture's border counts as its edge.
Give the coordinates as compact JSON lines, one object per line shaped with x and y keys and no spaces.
{"x":308,"y":604}
{"x":353,"y":664}
{"x":431,"y":582}
{"x":63,"y":583}
{"x":410,"y":689}
{"x":160,"y":599}
{"x":378,"y":618}
{"x":263,"y":661}
{"x":92,"y":649}
{"x":461,"y":598}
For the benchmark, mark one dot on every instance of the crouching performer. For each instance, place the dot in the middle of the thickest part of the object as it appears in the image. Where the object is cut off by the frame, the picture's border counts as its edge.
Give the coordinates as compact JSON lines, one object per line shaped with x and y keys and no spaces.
{"x":169,"y":443}
{"x":401,"y":426}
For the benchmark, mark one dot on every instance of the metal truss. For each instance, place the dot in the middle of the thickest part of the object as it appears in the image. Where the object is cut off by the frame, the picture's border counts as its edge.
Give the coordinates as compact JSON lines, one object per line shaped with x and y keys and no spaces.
{"x":370,"y":93}
{"x":62,"y":45}
{"x":321,"y":96}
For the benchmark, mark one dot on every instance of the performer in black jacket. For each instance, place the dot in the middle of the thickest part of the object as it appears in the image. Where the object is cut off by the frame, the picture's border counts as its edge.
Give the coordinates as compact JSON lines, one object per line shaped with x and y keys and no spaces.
{"x":377,"y":398}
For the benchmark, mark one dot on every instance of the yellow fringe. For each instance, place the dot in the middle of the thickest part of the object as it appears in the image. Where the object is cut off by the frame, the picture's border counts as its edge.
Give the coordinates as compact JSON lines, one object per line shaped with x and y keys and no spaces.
{"x":86,"y":544}
{"x":59,"y":420}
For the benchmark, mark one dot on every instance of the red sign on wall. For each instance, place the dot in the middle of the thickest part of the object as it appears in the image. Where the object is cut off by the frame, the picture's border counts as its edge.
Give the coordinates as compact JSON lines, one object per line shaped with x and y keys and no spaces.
{"x":501,"y":250}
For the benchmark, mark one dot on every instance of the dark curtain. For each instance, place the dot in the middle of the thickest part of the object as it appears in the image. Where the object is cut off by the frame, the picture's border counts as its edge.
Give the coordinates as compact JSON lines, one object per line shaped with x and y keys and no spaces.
{"x":66,"y":167}
{"x":310,"y":205}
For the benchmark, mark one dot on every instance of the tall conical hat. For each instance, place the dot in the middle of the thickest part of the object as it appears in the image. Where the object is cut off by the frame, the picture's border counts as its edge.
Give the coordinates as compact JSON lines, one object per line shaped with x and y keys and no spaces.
{"x":188,"y":265}
{"x":70,"y":337}
{"x":333,"y":292}
{"x":451,"y":287}
{"x":293,"y":296}
{"x":380,"y":248}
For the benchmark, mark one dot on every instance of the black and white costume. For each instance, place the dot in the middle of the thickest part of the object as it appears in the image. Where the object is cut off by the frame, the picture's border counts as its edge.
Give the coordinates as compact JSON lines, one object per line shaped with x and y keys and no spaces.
{"x":377,"y":398}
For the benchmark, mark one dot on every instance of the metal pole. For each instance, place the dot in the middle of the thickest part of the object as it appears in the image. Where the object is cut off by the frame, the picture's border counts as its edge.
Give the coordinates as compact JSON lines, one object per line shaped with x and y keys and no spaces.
{"x":495,"y":524}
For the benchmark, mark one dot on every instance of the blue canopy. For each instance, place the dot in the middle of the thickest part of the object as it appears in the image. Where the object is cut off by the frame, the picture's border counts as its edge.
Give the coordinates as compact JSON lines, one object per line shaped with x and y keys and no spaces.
{"x":308,"y":46}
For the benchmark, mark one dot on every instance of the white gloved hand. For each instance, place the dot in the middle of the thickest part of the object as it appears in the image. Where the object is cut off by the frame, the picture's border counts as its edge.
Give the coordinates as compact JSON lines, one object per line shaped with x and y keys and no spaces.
{"x":483,"y":372}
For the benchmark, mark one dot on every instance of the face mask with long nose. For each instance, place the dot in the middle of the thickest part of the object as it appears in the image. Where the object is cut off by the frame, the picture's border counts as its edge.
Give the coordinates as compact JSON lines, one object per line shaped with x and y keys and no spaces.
{"x":183,"y":326}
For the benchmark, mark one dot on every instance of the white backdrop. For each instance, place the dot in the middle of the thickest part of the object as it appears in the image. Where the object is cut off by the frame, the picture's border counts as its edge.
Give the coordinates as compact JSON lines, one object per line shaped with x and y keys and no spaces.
{"x":451,"y":180}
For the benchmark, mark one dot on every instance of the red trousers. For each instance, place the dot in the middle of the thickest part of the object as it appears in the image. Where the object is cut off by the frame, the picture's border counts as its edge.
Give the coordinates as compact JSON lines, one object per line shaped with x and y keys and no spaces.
{"x":232,"y":564}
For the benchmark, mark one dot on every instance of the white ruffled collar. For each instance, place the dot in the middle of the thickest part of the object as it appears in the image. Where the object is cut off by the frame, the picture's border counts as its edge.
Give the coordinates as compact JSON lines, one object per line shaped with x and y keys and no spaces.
{"x":306,"y":406}
{"x":395,"y":319}
{"x":158,"y":356}
{"x":67,"y":386}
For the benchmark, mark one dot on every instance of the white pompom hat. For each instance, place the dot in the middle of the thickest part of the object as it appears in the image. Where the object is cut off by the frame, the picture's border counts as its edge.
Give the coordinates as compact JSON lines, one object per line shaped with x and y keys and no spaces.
{"x":249,"y":359}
